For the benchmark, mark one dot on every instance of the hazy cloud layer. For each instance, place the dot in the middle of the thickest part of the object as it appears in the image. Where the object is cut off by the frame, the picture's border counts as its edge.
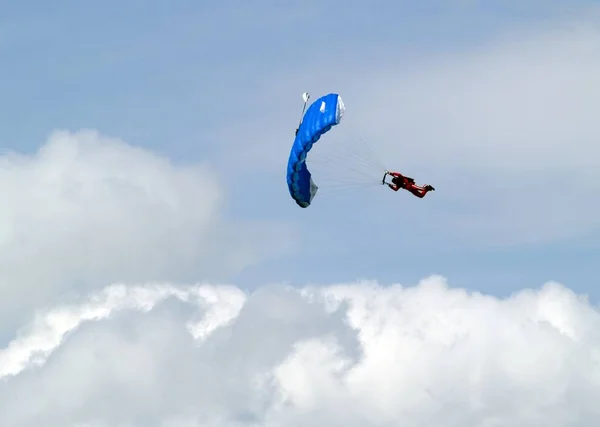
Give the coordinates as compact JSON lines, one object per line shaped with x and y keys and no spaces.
{"x":348,"y":354}
{"x":506,"y":131}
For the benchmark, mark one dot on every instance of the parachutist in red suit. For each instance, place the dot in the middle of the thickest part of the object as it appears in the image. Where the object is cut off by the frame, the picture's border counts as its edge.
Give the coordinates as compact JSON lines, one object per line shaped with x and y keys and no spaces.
{"x":400,"y":181}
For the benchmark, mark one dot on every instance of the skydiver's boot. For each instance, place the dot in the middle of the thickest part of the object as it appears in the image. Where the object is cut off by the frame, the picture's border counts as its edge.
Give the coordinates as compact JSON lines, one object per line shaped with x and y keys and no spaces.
{"x":429,"y":188}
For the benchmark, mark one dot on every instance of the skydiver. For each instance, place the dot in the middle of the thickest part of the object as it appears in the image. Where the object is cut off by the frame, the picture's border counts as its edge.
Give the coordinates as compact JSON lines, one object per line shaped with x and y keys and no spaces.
{"x":400,"y":181}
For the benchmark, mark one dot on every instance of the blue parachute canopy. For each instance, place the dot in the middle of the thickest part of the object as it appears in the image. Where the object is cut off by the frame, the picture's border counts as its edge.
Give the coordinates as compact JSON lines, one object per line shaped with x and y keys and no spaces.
{"x":320,"y":117}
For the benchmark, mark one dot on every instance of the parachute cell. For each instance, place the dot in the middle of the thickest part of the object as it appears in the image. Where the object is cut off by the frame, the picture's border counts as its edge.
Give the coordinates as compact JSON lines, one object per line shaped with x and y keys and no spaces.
{"x":326,"y":112}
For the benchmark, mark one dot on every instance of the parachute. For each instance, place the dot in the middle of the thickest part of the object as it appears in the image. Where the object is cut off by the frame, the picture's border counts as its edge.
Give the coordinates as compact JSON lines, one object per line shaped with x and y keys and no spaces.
{"x":321,"y":117}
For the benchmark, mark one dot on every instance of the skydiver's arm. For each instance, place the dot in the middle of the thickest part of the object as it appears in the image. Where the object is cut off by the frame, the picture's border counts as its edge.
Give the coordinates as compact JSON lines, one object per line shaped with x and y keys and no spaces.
{"x":394,"y":187}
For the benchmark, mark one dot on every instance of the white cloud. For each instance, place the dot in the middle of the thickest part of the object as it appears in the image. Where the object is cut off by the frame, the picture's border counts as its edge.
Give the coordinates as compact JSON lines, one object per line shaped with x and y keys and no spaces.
{"x":47,"y":331}
{"x":352,"y":354}
{"x":87,"y":210}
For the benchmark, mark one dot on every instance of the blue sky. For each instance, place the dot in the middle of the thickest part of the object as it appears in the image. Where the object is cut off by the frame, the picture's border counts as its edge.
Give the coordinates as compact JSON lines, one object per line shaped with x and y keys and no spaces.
{"x":147,"y":237}
{"x":221,"y":82}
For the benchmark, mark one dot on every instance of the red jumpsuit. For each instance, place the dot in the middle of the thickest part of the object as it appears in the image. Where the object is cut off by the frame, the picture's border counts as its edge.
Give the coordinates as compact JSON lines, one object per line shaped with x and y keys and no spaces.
{"x":401,"y":181}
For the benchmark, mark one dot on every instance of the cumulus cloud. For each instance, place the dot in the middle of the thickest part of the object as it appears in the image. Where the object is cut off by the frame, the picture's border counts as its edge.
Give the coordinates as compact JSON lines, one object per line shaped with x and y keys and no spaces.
{"x":87,"y":210}
{"x":346,"y":354}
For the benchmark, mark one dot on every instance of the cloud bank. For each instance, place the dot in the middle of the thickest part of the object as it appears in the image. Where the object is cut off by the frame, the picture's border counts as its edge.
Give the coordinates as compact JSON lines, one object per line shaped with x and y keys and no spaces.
{"x":87,"y":210}
{"x":347,"y":354}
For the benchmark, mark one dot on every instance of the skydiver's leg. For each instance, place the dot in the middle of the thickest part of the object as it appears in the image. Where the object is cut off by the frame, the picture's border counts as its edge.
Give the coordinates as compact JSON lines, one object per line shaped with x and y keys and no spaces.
{"x":419,"y":191}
